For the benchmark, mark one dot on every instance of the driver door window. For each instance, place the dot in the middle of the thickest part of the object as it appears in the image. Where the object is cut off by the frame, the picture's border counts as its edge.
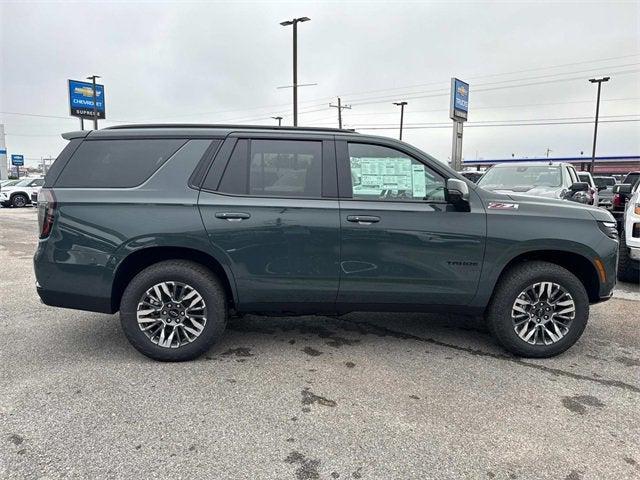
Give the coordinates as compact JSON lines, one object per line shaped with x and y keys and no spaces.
{"x":383,"y":173}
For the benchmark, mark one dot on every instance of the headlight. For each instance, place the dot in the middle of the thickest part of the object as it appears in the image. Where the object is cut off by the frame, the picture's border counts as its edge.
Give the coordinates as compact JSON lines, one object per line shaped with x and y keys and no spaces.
{"x":610,"y":229}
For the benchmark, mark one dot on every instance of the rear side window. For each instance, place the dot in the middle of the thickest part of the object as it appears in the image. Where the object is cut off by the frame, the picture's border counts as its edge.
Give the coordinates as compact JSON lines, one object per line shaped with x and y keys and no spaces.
{"x":274,"y":168}
{"x":116,"y":163}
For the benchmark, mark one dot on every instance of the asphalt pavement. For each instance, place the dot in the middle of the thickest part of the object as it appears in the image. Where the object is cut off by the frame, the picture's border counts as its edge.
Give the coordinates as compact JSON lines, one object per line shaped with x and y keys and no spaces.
{"x":363,"y":396}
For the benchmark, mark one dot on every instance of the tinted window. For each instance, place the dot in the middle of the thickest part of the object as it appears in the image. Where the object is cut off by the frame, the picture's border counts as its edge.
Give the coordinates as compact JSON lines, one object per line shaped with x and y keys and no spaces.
{"x":604,"y":181}
{"x":37,"y":183}
{"x":381,"y":173}
{"x":116,"y":163}
{"x":276,"y":168}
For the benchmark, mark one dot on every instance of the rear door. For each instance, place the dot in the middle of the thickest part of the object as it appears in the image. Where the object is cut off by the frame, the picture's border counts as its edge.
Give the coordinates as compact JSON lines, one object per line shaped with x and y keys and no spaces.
{"x":401,"y":242}
{"x":269,"y":204}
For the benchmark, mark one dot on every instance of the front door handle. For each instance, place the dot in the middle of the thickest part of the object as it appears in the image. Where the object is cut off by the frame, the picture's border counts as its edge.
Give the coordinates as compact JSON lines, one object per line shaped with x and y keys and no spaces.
{"x":363,"y":219}
{"x":233,"y":216}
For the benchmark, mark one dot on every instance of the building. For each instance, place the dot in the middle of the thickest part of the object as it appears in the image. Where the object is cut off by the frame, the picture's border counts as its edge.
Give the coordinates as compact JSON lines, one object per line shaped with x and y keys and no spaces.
{"x":609,"y":165}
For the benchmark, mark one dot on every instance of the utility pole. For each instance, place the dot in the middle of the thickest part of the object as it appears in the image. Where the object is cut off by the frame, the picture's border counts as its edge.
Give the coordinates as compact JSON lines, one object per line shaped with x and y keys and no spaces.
{"x":595,"y":128}
{"x":95,"y":101}
{"x":340,"y":107}
{"x":4,"y":171}
{"x":279,"y":119}
{"x":286,"y":23}
{"x":548,"y":150}
{"x":401,"y":105}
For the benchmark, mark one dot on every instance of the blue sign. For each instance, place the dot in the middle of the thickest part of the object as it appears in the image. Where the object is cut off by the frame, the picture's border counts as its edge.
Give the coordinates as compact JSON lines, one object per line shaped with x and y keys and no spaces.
{"x":17,"y":160}
{"x":81,"y":99}
{"x":459,"y":108}
{"x":3,"y":151}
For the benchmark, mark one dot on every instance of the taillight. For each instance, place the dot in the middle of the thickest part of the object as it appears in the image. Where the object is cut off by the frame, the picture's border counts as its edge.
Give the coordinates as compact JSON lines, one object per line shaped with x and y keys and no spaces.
{"x":617,"y":200}
{"x":46,"y":211}
{"x":636,"y":209}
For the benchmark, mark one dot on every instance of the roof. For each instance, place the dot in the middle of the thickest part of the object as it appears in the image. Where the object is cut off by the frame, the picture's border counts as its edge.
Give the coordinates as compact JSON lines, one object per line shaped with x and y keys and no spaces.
{"x":532,"y":163}
{"x":230,"y":127}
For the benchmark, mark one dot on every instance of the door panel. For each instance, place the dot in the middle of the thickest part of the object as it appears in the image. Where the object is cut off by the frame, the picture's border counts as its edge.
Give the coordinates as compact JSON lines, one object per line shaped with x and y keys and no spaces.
{"x":266,"y":209}
{"x":401,"y":243}
{"x":284,"y":250}
{"x":414,"y":254}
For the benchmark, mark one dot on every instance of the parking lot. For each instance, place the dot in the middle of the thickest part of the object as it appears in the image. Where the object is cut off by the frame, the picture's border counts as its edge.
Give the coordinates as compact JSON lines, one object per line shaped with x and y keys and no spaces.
{"x":370,"y":396}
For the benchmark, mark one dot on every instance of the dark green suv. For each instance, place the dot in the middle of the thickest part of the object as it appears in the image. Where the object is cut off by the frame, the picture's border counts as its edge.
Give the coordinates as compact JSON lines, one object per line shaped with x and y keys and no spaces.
{"x":176,"y":226}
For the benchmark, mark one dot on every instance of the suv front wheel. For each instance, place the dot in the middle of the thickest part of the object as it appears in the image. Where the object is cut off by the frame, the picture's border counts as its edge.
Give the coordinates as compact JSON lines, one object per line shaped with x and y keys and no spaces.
{"x":174,"y":310}
{"x":539,"y":309}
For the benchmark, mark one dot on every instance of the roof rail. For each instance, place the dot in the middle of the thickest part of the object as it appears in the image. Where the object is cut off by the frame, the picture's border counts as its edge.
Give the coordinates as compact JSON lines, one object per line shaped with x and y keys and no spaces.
{"x":226,"y":126}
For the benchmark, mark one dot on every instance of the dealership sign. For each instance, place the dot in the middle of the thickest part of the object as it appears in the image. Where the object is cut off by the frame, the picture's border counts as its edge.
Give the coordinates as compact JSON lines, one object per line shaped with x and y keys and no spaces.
{"x":81,"y":99}
{"x":459,"y":107}
{"x":17,"y":160}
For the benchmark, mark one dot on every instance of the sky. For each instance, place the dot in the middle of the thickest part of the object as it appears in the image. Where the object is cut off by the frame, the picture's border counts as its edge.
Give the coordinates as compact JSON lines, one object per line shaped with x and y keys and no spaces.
{"x":222,"y":62}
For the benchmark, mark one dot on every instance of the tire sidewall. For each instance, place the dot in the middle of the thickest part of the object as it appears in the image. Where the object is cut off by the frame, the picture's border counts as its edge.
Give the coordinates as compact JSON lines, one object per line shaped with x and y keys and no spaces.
{"x":503,"y":303}
{"x":206,"y":285}
{"x":19,"y":195}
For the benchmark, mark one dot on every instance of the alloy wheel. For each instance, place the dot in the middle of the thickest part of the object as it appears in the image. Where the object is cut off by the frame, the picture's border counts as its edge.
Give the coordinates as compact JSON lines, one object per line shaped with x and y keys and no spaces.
{"x":172,"y":314}
{"x":542,"y":313}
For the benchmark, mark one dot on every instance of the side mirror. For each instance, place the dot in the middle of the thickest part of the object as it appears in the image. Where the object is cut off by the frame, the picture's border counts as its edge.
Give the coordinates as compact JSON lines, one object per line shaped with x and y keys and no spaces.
{"x":579,"y":187}
{"x":457,"y":192}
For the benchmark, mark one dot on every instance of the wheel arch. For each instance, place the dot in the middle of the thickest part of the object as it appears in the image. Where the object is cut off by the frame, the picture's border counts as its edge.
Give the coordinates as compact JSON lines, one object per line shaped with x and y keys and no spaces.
{"x":138,"y":260}
{"x":576,"y":263}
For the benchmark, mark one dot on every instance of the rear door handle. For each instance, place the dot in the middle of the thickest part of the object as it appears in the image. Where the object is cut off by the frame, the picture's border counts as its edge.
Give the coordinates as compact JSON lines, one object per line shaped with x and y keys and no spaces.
{"x":233,"y":216}
{"x":363,"y":219}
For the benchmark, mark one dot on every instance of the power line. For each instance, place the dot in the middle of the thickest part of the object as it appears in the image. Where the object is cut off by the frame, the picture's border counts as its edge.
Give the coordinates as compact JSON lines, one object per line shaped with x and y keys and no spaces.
{"x":473,"y":125}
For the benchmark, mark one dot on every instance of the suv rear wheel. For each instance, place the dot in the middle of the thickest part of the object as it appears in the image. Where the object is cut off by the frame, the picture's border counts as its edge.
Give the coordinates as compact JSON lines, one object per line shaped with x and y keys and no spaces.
{"x":539,"y":309}
{"x":174,"y":310}
{"x":19,"y":200}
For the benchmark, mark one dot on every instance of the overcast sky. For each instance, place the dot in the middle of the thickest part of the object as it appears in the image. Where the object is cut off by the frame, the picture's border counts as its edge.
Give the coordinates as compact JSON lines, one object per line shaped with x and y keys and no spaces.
{"x":213,"y":62}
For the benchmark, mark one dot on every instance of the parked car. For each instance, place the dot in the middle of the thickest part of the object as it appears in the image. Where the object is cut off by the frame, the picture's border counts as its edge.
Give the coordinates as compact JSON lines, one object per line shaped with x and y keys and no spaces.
{"x":19,"y":195}
{"x":8,"y":183}
{"x":538,"y":179}
{"x":591,"y":195}
{"x":621,"y":194}
{"x":473,"y":175}
{"x":605,"y":190}
{"x":629,"y":257}
{"x":215,"y":219}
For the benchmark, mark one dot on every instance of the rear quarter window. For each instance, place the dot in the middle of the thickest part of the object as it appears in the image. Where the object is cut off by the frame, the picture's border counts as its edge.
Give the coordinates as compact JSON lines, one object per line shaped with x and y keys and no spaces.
{"x":116,"y":163}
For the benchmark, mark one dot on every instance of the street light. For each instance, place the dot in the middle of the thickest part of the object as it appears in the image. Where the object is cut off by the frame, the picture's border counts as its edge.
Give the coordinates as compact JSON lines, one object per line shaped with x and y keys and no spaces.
{"x":401,"y":105}
{"x":595,"y":128}
{"x":279,"y":119}
{"x":95,"y":104}
{"x":286,"y":23}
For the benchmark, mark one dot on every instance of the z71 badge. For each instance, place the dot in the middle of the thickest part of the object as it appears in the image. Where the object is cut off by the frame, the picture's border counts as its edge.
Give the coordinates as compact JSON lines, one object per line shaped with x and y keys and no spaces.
{"x":502,"y":206}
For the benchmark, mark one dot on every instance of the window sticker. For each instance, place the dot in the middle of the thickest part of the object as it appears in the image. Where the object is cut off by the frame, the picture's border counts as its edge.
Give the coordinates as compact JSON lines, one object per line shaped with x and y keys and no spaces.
{"x":371,"y":176}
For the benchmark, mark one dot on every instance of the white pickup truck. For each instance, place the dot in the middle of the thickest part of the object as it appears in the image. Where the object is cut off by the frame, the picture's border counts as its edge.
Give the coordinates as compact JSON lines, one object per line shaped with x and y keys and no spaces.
{"x":19,"y":195}
{"x":629,"y":256}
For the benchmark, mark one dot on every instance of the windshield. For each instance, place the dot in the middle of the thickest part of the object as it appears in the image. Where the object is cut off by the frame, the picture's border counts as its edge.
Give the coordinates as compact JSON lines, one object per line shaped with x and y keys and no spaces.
{"x":8,"y":183}
{"x":604,"y":181}
{"x":515,"y":176}
{"x":24,"y":183}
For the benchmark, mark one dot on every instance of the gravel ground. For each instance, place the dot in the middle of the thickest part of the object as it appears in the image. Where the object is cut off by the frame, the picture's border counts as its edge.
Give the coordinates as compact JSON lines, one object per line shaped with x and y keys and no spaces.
{"x":370,"y":396}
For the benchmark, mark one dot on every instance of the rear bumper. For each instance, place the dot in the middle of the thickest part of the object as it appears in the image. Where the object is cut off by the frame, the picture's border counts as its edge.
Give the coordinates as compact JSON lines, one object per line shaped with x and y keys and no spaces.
{"x":74,"y":301}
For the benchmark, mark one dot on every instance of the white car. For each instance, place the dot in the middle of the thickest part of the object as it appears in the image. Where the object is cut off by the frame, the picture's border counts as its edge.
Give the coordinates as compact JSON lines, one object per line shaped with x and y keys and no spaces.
{"x":537,"y":179}
{"x":629,"y":254}
{"x":19,"y":195}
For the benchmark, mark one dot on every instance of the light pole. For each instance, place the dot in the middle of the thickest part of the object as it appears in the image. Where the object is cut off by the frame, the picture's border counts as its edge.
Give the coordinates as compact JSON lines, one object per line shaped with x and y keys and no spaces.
{"x":95,"y":103}
{"x":401,"y":105}
{"x":286,"y":23}
{"x":595,"y":128}
{"x":279,"y":119}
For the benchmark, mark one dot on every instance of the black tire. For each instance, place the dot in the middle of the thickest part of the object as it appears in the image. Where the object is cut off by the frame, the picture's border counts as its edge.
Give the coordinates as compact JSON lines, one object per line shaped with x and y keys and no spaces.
{"x":628,"y":268}
{"x":19,"y":200}
{"x":193,"y":274}
{"x":515,"y":281}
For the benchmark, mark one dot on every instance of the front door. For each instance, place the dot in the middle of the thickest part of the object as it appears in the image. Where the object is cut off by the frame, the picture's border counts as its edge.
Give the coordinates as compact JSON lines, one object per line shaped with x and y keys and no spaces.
{"x":272,"y":213}
{"x":401,"y":242}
